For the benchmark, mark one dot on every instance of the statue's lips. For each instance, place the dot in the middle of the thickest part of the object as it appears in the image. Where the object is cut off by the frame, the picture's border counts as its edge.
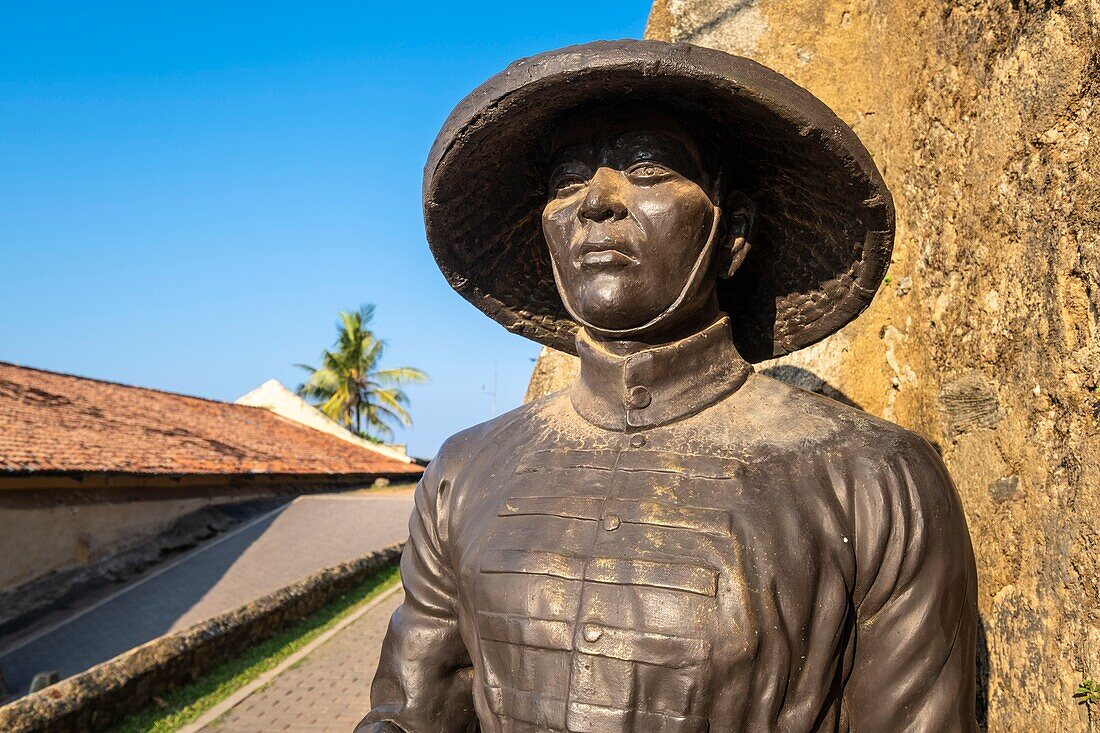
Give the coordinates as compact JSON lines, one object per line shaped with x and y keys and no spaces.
{"x":604,"y":255}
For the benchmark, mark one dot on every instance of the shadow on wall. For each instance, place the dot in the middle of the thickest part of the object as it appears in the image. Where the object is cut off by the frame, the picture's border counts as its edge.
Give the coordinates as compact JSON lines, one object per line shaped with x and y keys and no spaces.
{"x":151,"y":606}
{"x":811,"y":382}
{"x":983,"y":676}
{"x":807,"y":380}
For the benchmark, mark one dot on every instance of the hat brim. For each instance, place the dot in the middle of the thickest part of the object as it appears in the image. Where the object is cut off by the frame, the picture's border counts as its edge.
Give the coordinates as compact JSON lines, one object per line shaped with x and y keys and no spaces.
{"x":824,"y":223}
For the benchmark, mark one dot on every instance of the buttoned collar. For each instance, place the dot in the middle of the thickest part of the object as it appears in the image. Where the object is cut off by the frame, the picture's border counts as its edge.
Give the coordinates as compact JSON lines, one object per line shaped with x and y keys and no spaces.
{"x":659,"y":385}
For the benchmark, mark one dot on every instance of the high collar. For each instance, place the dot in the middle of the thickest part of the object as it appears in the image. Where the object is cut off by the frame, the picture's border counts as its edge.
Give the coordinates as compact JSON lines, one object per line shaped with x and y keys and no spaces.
{"x":658,"y":385}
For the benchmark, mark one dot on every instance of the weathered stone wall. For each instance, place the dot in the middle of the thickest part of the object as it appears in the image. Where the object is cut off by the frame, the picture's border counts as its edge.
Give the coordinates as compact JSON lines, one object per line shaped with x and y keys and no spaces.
{"x":91,"y":517}
{"x":40,"y":540}
{"x":553,"y":370}
{"x":983,"y":116}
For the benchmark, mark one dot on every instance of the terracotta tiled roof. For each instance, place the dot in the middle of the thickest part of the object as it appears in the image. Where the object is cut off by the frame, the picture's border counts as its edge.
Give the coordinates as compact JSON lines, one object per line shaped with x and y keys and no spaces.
{"x":57,"y":422}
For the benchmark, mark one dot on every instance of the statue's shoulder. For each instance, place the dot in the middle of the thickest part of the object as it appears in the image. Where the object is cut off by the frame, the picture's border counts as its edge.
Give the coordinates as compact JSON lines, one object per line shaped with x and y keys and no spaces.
{"x":496,"y":435}
{"x":808,"y":420}
{"x":815,"y":435}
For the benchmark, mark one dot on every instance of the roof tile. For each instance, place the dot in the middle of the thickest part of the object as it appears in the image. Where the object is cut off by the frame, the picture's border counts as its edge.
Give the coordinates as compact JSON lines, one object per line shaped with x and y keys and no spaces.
{"x":57,"y":422}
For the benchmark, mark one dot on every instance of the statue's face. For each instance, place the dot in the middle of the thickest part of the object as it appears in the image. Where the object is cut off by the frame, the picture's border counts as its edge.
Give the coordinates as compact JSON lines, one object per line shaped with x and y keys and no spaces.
{"x":626,"y":220}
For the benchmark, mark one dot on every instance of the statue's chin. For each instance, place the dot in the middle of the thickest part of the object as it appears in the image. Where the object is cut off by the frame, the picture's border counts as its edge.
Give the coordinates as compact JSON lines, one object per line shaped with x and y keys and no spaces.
{"x":609,"y":307}
{"x":651,"y":320}
{"x":611,"y":321}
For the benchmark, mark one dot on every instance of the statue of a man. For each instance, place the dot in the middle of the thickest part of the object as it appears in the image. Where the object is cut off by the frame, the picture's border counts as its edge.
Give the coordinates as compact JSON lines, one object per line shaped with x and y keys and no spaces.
{"x":675,"y":544}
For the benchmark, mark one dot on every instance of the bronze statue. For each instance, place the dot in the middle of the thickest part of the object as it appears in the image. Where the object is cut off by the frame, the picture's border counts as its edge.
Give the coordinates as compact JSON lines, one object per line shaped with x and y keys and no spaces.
{"x":676,"y":544}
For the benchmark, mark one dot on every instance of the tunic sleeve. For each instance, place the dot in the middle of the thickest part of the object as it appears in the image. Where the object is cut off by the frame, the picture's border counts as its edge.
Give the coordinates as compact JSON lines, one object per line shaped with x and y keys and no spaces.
{"x":913,"y":668}
{"x":424,"y":678}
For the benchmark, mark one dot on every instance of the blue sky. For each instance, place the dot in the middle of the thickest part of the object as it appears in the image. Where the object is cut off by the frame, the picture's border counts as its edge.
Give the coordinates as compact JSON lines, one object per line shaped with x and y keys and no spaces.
{"x":190,"y":192}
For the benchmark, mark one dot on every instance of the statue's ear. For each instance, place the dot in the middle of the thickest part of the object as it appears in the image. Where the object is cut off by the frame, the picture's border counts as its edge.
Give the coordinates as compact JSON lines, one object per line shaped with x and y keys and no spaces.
{"x":740,"y":216}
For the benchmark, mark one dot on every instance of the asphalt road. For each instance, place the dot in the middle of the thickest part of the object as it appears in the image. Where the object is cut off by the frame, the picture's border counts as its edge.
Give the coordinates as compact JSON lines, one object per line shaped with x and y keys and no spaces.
{"x":270,"y":552}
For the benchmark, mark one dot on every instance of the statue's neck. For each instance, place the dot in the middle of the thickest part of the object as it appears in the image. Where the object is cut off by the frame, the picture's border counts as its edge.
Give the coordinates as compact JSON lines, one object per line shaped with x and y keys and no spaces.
{"x":668,"y":333}
{"x":656,"y":384}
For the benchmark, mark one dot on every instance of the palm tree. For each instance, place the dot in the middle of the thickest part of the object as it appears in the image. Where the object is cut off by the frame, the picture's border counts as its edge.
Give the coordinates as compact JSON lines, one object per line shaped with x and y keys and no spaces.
{"x":351,"y":389}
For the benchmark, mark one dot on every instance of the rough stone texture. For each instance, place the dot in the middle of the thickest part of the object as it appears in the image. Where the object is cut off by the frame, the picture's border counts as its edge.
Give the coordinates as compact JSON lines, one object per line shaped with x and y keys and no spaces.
{"x":983,"y":117}
{"x":100,"y":697}
{"x":553,"y":370}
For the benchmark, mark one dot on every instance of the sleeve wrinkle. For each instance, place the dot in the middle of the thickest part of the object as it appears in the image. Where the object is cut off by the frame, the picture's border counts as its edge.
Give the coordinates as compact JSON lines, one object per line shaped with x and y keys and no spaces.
{"x":882,"y":538}
{"x":422,"y":683}
{"x":914,"y":647}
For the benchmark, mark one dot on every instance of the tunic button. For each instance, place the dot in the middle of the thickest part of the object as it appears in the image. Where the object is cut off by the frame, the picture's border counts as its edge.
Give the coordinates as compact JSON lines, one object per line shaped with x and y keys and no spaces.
{"x":592,"y":633}
{"x":638,"y":398}
{"x":611,"y":522}
{"x":637,"y":441}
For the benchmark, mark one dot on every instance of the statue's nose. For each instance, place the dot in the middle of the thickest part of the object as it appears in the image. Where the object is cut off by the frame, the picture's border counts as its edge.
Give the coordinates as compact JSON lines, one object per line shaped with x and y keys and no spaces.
{"x":605,"y":198}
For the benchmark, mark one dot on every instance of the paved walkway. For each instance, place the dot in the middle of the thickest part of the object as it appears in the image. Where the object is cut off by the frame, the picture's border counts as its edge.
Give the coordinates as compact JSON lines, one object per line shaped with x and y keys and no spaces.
{"x":270,"y":552}
{"x":327,"y":691}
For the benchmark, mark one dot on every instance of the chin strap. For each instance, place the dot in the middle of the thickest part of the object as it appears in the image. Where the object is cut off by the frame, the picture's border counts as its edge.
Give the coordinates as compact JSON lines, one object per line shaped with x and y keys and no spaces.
{"x":697,"y":273}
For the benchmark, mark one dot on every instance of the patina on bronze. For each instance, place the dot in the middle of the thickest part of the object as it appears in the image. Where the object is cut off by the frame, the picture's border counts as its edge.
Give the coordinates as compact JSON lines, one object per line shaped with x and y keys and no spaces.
{"x":676,"y":543}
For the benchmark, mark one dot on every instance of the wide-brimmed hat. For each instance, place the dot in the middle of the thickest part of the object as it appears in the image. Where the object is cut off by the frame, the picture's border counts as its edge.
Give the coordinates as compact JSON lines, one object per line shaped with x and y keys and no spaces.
{"x":824,"y":223}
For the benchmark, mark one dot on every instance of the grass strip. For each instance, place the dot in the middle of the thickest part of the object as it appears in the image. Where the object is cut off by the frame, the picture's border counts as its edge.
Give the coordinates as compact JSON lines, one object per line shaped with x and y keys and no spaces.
{"x":184,"y":704}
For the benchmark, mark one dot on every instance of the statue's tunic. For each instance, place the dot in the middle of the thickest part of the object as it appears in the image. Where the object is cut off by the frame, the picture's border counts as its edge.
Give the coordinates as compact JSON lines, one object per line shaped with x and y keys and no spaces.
{"x":680,"y":545}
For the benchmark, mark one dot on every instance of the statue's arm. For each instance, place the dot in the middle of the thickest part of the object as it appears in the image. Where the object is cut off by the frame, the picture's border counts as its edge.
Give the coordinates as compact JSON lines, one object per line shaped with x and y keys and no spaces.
{"x":424,"y":678}
{"x":916,"y":588}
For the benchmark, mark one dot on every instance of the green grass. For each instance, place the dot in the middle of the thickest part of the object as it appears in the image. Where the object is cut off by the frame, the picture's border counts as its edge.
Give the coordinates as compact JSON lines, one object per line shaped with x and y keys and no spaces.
{"x":185,"y":704}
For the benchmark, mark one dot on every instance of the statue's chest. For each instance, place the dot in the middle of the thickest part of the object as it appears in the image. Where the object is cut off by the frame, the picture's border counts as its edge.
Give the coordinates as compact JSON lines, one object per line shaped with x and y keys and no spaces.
{"x":608,"y":585}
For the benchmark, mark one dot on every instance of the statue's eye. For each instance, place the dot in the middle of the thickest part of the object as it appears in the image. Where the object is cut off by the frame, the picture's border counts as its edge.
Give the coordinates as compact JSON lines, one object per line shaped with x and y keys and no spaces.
{"x":647,"y":169}
{"x":567,"y":184}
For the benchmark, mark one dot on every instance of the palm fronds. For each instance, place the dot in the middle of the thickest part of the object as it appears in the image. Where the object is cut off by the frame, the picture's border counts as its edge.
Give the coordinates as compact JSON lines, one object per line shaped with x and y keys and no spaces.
{"x":351,"y":389}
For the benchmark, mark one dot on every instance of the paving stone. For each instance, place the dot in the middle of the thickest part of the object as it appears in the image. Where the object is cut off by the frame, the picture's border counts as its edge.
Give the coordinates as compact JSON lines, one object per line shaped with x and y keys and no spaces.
{"x":327,"y":692}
